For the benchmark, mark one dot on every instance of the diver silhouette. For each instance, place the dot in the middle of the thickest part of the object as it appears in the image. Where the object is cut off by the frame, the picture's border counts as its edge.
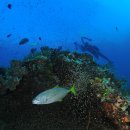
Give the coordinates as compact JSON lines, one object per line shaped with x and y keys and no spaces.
{"x":86,"y":46}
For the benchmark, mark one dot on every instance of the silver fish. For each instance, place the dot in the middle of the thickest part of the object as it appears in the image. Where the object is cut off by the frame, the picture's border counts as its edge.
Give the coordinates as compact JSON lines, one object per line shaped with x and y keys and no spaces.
{"x":55,"y":94}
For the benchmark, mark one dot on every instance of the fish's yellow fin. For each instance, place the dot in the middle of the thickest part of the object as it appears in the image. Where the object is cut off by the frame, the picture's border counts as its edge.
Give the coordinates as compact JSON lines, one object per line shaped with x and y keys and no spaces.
{"x":72,"y":90}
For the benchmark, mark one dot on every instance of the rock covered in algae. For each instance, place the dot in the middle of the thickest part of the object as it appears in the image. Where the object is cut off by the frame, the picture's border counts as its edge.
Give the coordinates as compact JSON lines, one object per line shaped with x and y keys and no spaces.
{"x":12,"y":76}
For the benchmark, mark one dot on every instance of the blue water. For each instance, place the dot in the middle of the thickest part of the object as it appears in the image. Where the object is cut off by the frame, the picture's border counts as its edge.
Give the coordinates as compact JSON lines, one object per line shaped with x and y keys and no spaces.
{"x":61,"y":22}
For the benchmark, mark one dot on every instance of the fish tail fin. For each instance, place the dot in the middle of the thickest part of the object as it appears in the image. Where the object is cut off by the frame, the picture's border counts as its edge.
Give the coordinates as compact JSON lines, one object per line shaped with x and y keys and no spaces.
{"x":72,"y":90}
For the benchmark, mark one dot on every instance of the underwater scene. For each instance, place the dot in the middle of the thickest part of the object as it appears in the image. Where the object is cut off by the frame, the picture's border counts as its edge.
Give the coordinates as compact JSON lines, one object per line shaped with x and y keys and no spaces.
{"x":64,"y":64}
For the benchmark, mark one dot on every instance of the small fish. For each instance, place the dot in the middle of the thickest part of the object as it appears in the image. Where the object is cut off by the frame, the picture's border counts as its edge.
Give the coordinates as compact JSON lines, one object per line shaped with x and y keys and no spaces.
{"x":9,"y":35}
{"x":23,"y":41}
{"x":55,"y":94}
{"x":117,"y":28}
{"x":33,"y":50}
{"x":9,"y":6}
{"x":40,"y":38}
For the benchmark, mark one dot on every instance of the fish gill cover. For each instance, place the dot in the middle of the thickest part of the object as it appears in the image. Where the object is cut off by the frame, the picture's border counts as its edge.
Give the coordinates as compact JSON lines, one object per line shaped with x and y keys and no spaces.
{"x":47,"y":43}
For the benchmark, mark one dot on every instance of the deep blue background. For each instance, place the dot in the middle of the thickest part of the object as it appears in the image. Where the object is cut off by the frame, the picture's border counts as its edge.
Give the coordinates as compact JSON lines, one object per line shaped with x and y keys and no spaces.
{"x":61,"y":22}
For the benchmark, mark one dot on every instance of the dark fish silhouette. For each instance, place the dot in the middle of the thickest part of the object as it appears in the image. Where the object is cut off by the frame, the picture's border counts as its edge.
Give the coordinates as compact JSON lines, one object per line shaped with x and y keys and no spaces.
{"x":9,"y":35}
{"x":40,"y":38}
{"x":117,"y":28}
{"x":90,"y":48}
{"x":9,"y":6}
{"x":33,"y":51}
{"x":23,"y":41}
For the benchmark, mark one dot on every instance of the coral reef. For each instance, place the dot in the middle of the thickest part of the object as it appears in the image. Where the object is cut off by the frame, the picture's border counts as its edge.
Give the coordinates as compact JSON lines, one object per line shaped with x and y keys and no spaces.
{"x":12,"y":76}
{"x":99,"y":103}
